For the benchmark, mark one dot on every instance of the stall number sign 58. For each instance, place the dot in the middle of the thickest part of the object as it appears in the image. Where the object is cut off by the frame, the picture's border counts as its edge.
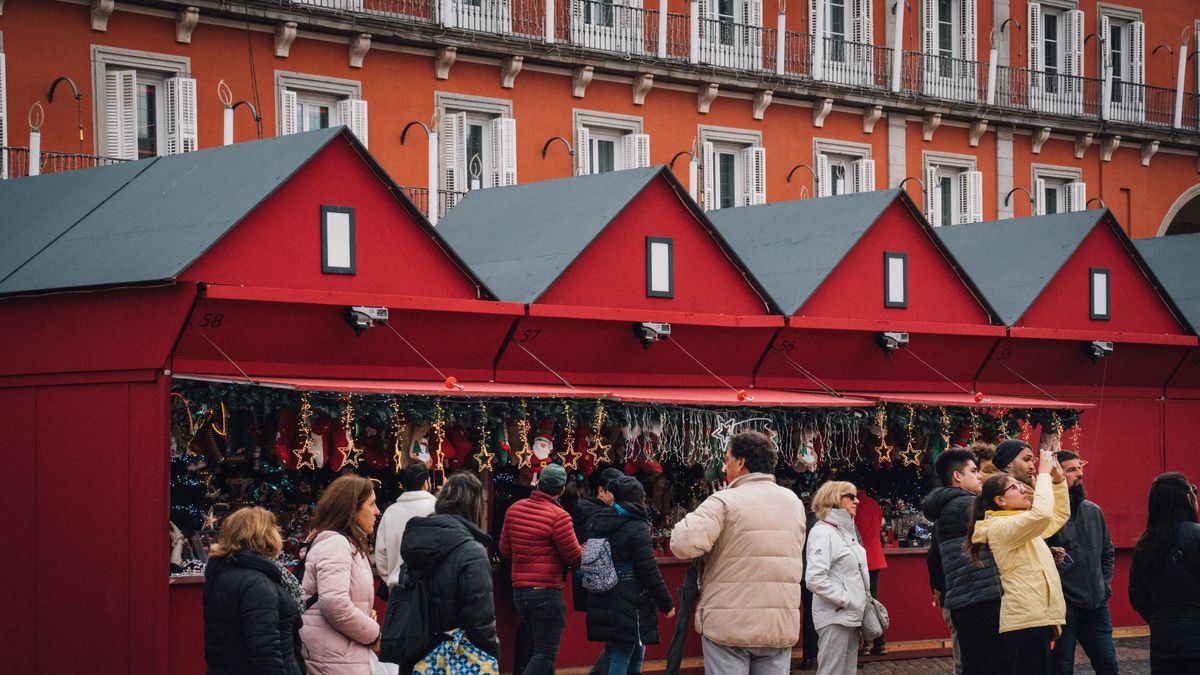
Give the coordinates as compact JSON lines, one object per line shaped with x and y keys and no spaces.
{"x":212,"y":320}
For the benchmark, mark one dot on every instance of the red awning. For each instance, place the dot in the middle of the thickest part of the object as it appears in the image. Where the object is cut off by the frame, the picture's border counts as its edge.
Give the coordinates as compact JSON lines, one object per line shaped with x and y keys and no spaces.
{"x":730,"y":397}
{"x":968,"y":400}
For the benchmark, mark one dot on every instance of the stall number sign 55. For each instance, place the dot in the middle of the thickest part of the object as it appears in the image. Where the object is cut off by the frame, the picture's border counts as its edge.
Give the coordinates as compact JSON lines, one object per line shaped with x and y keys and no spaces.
{"x":212,"y":320}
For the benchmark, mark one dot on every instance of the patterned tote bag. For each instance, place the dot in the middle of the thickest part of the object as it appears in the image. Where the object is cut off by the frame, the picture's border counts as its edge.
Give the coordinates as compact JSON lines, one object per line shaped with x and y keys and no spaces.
{"x":457,"y":656}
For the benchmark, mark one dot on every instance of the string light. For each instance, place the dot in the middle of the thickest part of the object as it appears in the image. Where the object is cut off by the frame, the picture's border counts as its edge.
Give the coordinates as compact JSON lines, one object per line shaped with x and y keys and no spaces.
{"x":597,"y":449}
{"x":911,"y":456}
{"x":882,"y":451}
{"x":223,"y":432}
{"x":484,"y":456}
{"x":944,"y":424}
{"x":305,"y":457}
{"x":398,"y":421}
{"x":351,"y":453}
{"x":439,"y":434}
{"x":973,"y":422}
{"x":1075,"y":436}
{"x":570,"y":456}
{"x":525,"y":453}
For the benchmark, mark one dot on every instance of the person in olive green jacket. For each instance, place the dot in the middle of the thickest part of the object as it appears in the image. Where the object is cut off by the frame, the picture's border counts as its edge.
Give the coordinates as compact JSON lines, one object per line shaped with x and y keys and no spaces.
{"x":1014,"y":527}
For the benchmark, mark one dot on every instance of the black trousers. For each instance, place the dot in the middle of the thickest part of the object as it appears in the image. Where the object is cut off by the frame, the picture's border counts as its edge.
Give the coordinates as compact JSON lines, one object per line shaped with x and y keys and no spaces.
{"x":874,"y":577}
{"x":983,"y":650}
{"x":1029,"y":650}
{"x":1162,"y":666}
{"x":543,"y":615}
{"x":810,"y":630}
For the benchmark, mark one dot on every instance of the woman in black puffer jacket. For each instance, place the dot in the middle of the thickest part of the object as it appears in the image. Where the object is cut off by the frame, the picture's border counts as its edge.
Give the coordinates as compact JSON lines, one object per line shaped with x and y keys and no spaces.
{"x":450,"y":547}
{"x":624,"y":617}
{"x":251,"y":620}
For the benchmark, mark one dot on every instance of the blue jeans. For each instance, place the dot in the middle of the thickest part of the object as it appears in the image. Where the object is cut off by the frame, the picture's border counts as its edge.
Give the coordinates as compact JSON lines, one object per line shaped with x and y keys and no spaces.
{"x":625,"y":659}
{"x":1092,"y":629}
{"x":543,"y":615}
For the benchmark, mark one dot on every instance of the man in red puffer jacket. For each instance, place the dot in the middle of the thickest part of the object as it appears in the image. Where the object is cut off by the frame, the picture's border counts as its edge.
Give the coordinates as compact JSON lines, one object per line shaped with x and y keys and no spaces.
{"x":540,"y":538}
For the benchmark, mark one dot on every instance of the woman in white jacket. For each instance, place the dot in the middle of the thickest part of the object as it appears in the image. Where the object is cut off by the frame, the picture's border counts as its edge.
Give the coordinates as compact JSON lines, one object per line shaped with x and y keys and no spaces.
{"x":836,"y":575}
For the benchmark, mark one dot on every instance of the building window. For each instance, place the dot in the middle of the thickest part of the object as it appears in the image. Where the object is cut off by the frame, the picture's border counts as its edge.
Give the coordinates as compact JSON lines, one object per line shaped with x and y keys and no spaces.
{"x":954,"y":189}
{"x":1058,"y":189}
{"x":146,"y":105}
{"x":734,"y":166}
{"x":478,"y":143}
{"x":606,"y":142}
{"x":842,"y":168}
{"x":843,"y":36}
{"x":311,"y":102}
{"x":1056,"y":36}
{"x":337,"y":240}
{"x":1123,"y":55}
{"x":1098,"y":294}
{"x":895,"y":279}
{"x":660,"y":272}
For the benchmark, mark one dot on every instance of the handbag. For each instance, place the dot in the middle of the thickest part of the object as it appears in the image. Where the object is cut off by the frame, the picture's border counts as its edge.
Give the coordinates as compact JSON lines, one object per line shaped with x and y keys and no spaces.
{"x":457,"y":656}
{"x":875,"y":615}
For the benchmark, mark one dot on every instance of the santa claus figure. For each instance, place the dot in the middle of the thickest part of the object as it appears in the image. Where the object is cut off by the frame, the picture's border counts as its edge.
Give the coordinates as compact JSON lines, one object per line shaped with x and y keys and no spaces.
{"x":543,"y":444}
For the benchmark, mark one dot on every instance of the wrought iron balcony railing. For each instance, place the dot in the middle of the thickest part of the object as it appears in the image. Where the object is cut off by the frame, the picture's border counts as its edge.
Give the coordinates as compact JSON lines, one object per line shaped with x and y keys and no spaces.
{"x":14,"y":162}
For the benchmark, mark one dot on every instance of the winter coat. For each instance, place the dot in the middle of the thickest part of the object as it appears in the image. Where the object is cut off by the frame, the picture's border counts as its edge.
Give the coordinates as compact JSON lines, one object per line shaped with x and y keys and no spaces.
{"x":584,"y":511}
{"x":625,"y":614}
{"x":250,"y":619}
{"x":539,"y":537}
{"x":1032,"y":591}
{"x":869,"y":521}
{"x":751,"y":535}
{"x":837,"y":571}
{"x":338,"y":628}
{"x":453,"y":552}
{"x":1086,"y":582}
{"x":1168,"y":597}
{"x":965,"y":583}
{"x":390,"y":531}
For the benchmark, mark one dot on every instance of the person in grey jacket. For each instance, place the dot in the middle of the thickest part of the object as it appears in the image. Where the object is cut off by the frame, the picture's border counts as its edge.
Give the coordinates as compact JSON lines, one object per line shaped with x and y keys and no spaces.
{"x":837,"y":576}
{"x":971,"y":592}
{"x":1084,"y":554}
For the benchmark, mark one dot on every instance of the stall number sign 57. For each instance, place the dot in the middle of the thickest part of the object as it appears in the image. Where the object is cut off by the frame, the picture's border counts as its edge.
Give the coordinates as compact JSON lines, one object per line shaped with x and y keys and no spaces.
{"x":212,"y":320}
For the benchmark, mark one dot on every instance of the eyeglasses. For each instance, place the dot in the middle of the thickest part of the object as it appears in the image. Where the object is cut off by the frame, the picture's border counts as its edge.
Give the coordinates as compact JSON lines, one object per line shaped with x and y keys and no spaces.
{"x":851,"y":496}
{"x":1015,"y":486}
{"x":1192,"y":488}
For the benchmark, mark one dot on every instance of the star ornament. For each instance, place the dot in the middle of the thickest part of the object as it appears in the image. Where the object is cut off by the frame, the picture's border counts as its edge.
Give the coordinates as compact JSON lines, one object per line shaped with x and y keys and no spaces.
{"x":351,"y":454}
{"x":597,"y":449}
{"x":305,"y":457}
{"x":911,"y":456}
{"x":570,"y":458}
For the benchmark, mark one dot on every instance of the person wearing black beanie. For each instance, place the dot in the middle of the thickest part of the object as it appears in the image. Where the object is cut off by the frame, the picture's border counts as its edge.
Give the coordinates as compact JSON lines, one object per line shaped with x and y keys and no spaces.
{"x":1017,"y":459}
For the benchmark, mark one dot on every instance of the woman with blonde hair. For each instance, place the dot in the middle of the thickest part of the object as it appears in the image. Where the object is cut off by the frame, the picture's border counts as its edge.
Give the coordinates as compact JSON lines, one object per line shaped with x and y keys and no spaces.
{"x":250,"y":618}
{"x":340,"y":627}
{"x":836,"y":574}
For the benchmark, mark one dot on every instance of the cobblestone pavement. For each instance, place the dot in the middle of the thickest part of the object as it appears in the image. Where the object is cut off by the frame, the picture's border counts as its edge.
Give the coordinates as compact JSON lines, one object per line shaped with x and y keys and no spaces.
{"x":1133,"y":654}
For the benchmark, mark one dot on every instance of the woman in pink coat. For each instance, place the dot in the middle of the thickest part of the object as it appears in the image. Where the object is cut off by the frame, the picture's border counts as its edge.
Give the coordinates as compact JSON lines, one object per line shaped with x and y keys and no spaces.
{"x":340,"y":628}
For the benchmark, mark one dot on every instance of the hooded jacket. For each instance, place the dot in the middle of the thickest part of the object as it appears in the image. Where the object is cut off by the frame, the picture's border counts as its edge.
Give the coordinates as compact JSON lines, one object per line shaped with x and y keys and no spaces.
{"x":1168,"y":596}
{"x":249,"y":617}
{"x":1033,"y":594}
{"x":539,"y":537}
{"x":390,"y":532}
{"x":338,"y":628}
{"x":585,"y":509}
{"x":751,"y":535}
{"x":965,"y":583}
{"x":1087,"y":581}
{"x":452,"y":551}
{"x":625,"y":614}
{"x":837,"y":572}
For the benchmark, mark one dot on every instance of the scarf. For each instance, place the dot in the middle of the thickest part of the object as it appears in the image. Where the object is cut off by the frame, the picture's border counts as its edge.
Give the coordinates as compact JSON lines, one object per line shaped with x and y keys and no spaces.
{"x":292,"y":584}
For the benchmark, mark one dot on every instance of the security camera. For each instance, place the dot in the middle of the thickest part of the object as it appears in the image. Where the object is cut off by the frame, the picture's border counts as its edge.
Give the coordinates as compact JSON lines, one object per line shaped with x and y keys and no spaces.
{"x":889,"y":342}
{"x":650,"y":332}
{"x":1098,"y":349}
{"x":361,"y":318}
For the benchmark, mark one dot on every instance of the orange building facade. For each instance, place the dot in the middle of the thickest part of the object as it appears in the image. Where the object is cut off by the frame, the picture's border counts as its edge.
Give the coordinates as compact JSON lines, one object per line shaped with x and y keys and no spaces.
{"x":1053,"y":105}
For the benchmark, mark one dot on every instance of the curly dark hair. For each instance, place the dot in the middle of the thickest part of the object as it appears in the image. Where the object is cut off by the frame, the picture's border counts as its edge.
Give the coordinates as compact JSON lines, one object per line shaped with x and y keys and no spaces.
{"x":757,"y":449}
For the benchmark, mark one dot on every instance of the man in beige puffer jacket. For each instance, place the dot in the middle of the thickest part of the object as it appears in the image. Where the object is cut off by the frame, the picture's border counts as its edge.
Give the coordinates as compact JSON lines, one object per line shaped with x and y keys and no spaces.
{"x":751,"y":536}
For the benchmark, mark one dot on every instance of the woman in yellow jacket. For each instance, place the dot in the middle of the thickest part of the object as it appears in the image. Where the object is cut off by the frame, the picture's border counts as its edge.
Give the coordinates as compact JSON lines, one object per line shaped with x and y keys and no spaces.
{"x":1013,"y":525}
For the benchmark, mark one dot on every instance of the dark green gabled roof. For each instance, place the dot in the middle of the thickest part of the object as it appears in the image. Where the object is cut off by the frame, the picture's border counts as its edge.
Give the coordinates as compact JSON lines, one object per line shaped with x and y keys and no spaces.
{"x":1012,"y":261}
{"x":1175,"y":261}
{"x":519,"y":239}
{"x":142,"y":221}
{"x":791,"y":247}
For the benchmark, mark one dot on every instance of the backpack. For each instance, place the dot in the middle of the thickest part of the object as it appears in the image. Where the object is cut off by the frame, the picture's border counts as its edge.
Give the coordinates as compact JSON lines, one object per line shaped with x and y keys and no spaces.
{"x":298,"y":572}
{"x":407,"y":634}
{"x":596,"y":570}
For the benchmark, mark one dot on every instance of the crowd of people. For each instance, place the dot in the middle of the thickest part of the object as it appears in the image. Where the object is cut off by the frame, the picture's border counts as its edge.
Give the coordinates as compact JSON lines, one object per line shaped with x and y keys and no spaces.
{"x":1021,"y":566}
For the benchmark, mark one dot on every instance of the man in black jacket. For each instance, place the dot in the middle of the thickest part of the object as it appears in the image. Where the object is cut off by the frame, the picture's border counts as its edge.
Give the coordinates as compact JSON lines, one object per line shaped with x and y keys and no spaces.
{"x":585,"y":510}
{"x":972,"y":592}
{"x":1084,"y":553}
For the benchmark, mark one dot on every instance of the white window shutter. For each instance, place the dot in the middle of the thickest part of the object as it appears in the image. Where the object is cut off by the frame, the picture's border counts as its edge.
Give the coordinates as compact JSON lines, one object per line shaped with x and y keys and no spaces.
{"x":709,"y":201}
{"x":970,"y":30}
{"x":932,"y":190}
{"x":180,"y":122}
{"x":1039,"y":191}
{"x":504,"y":152}
{"x":863,"y":24}
{"x":1105,"y":42}
{"x":641,"y":150}
{"x":824,"y":177}
{"x":815,"y":7}
{"x":974,"y":180}
{"x":1076,"y":196}
{"x":1033,"y":28}
{"x":929,"y":45}
{"x":288,"y":112}
{"x":120,"y":114}
{"x":863,"y":175}
{"x":3,"y":121}
{"x":702,"y":14}
{"x":454,"y":153}
{"x":583,"y":151}
{"x":1073,"y":35}
{"x":1137,"y":52}
{"x":352,"y":112}
{"x":754,"y":176}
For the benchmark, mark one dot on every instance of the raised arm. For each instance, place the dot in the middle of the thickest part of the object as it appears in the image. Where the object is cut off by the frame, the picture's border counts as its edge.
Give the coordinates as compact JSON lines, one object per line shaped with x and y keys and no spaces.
{"x":696,"y":534}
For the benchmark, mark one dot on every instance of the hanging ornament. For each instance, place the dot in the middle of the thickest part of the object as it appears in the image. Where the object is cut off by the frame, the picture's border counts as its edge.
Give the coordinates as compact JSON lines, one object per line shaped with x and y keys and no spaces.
{"x":398,"y":423}
{"x":597,"y":449}
{"x":569,"y":455}
{"x":882,"y":452}
{"x":1075,"y":436}
{"x":911,"y":455}
{"x":484,"y":457}
{"x":524,"y":452}
{"x":305,"y":457}
{"x":439,"y":434}
{"x":973,"y":422}
{"x":351,"y":453}
{"x":944,"y":423}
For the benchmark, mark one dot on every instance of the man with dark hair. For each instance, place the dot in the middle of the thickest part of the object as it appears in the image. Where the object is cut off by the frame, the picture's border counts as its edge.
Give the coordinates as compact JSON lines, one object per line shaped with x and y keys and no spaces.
{"x":1015,"y":457}
{"x":751,"y":535}
{"x":584,"y":511}
{"x":968,"y":593}
{"x":1084,"y":553}
{"x":539,"y":537}
{"x":416,"y":501}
